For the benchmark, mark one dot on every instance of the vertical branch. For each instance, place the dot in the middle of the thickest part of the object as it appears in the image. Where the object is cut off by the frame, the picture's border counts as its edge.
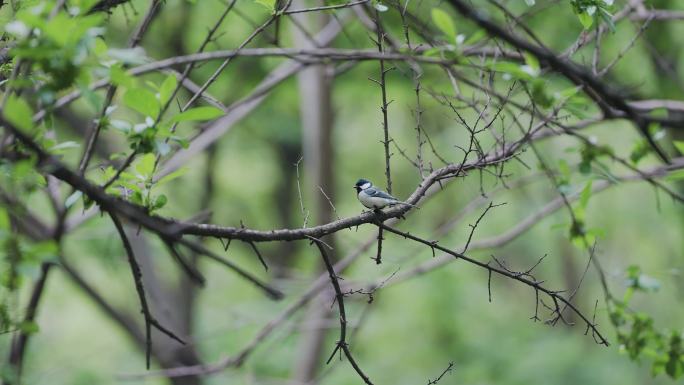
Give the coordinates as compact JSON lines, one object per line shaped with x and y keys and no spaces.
{"x":383,"y":108}
{"x":137,"y":278}
{"x":378,"y":256}
{"x":339,"y":297}
{"x":380,"y":36}
{"x":16,"y":356}
{"x":419,"y":136}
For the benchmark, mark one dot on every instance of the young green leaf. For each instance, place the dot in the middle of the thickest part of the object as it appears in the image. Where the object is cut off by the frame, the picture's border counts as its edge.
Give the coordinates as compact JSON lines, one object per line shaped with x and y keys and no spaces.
{"x":269,"y":4}
{"x":168,"y":178}
{"x":586,"y":194}
{"x":120,"y":77}
{"x":532,"y":62}
{"x":443,"y":21}
{"x":143,"y":101}
{"x":679,"y":145}
{"x":586,"y":19}
{"x":159,"y":202}
{"x":145,"y":166}
{"x":167,"y":88}
{"x":18,"y":112}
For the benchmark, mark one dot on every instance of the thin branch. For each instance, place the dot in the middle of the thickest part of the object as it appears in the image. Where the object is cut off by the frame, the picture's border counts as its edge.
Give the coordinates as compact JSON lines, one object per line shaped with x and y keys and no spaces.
{"x":383,"y":88}
{"x":137,"y":278}
{"x":19,"y":342}
{"x":339,"y":296}
{"x":611,"y":102}
{"x":554,"y":295}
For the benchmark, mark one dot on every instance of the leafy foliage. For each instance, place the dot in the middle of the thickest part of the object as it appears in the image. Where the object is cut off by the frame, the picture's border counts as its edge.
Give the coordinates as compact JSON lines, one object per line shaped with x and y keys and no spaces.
{"x":636,"y":331}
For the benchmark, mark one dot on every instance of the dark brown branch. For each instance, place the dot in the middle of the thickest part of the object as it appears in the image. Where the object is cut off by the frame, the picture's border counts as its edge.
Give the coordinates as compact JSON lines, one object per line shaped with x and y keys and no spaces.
{"x":19,"y":342}
{"x":378,"y":255}
{"x":198,"y":248}
{"x":554,"y":295}
{"x":174,"y":229}
{"x":383,"y":88}
{"x":137,"y":278}
{"x":339,"y":296}
{"x":447,"y":370}
{"x":189,"y":269}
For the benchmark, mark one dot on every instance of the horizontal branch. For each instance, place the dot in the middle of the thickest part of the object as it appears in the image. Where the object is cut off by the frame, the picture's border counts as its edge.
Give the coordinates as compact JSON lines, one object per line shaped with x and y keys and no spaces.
{"x":172,"y":229}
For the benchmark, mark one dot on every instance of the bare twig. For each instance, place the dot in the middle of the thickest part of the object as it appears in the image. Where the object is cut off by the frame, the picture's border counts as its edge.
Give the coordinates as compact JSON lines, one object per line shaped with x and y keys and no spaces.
{"x":342,"y":342}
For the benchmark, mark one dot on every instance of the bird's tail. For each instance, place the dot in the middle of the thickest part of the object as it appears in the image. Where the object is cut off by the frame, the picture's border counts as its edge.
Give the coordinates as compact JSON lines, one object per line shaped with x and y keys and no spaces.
{"x":407,"y":204}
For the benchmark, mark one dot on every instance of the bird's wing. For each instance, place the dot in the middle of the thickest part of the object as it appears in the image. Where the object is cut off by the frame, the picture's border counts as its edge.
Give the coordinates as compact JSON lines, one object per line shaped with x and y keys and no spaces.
{"x":373,"y":192}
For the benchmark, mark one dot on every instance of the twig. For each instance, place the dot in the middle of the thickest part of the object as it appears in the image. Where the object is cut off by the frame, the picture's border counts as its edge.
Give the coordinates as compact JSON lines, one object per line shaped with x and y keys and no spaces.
{"x":342,"y":342}
{"x":506,"y":273}
{"x":473,"y":227}
{"x":137,"y":278}
{"x":383,"y":107}
{"x":447,"y":370}
{"x":305,"y":213}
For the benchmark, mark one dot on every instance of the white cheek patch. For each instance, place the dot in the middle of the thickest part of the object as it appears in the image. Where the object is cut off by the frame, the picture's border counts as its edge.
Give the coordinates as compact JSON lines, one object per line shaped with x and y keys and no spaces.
{"x":365,"y":185}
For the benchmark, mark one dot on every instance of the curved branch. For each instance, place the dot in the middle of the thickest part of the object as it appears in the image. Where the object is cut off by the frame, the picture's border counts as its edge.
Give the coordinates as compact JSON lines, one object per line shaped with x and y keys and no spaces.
{"x":339,"y":296}
{"x":520,"y":277}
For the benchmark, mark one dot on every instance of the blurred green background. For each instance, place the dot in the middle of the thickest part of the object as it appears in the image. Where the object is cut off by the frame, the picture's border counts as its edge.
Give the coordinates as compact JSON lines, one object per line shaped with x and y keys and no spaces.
{"x":414,"y":328}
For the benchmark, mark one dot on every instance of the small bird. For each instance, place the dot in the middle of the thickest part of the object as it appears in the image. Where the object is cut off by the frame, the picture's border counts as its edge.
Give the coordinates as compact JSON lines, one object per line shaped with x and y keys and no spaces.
{"x":374,"y":198}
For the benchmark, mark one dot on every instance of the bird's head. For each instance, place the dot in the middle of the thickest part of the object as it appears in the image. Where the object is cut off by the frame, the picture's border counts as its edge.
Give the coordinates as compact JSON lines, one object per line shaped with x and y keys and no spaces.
{"x":362,"y":184}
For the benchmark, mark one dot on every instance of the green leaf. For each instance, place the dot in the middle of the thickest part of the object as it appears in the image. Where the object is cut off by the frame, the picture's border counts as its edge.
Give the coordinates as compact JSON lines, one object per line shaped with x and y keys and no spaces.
{"x":166,"y":89}
{"x":513,"y":69}
{"x":59,"y":148}
{"x":585,"y":194}
{"x":159,"y":202}
{"x":19,"y":113}
{"x":675,"y":175}
{"x":143,"y":101}
{"x":121,"y":78}
{"x":607,"y":18}
{"x":145,"y":166}
{"x":198,"y":114}
{"x":176,"y":174}
{"x":640,"y":149}
{"x":443,"y":21}
{"x":679,"y":145}
{"x":532,"y":62}
{"x":269,"y":4}
{"x":475,"y":37}
{"x":586,"y":19}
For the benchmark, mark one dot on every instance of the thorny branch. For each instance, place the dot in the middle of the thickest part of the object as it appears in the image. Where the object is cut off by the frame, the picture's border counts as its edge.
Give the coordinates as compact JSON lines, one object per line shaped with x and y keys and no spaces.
{"x":520,"y":277}
{"x":150,"y":321}
{"x":342,"y":344}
